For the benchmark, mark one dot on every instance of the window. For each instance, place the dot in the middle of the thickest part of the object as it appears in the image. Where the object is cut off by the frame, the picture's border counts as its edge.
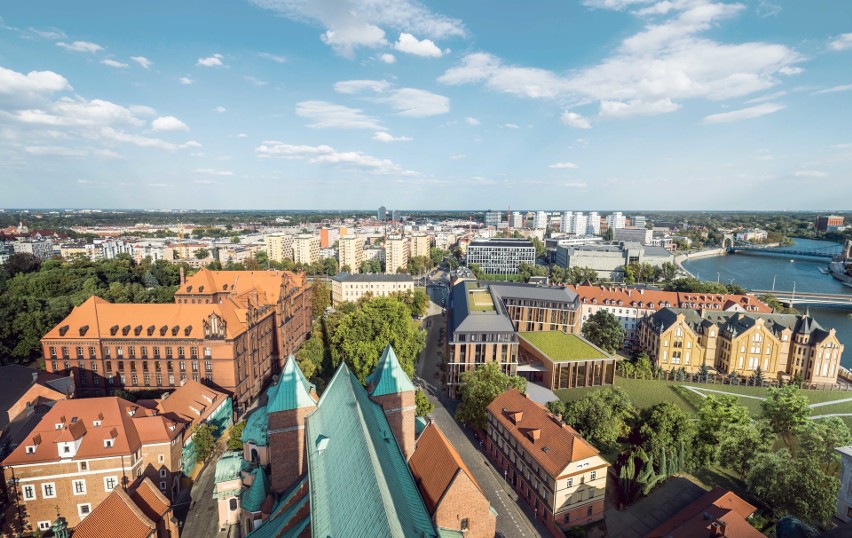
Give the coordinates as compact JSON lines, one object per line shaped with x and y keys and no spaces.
{"x":110,"y":482}
{"x":162,"y":473}
{"x":464,"y":524}
{"x":593,"y":475}
{"x":161,"y":458}
{"x":44,"y":525}
{"x":48,"y":490}
{"x":589,"y":511}
{"x":570,"y":482}
{"x":29,"y":493}
{"x":162,"y":485}
{"x":232,"y":504}
{"x":83,"y":510}
{"x":52,"y":352}
{"x":79,"y":487}
{"x":82,"y":466}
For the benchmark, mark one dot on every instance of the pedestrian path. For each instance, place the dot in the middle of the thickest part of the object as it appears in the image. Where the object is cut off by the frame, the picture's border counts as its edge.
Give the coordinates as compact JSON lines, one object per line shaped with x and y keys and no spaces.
{"x":701,"y":390}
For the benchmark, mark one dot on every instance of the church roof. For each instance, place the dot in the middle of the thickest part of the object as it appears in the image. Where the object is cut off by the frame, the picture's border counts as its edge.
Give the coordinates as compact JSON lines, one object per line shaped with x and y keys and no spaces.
{"x":293,"y":392}
{"x":355,"y":461}
{"x":389,"y":377}
{"x":256,"y":429}
{"x":253,"y":497}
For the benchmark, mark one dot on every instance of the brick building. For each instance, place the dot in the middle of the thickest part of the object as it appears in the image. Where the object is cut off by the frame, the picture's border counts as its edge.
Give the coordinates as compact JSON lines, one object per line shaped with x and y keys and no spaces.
{"x":557,"y":472}
{"x":829,"y":223}
{"x":83,"y":449}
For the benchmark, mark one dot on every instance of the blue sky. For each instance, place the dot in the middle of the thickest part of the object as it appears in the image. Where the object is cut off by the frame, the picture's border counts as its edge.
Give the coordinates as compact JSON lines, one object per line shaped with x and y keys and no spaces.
{"x":593,"y":104}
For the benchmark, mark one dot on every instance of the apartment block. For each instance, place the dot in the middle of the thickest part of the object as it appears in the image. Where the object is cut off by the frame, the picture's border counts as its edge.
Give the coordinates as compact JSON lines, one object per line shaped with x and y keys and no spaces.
{"x":396,"y":254}
{"x":500,"y":256}
{"x":347,"y":287}
{"x":41,"y":249}
{"x":328,"y":236}
{"x":552,"y":468}
{"x":279,"y":247}
{"x":84,"y":449}
{"x":781,"y":345}
{"x":351,"y":253}
{"x":420,"y":245}
{"x":306,"y":249}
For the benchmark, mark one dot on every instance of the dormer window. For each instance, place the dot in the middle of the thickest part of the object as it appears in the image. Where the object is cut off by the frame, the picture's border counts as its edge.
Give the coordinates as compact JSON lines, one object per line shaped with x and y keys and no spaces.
{"x":175,"y":330}
{"x":163,"y":330}
{"x":96,"y":423}
{"x":31,"y":449}
{"x":113,"y":330}
{"x":151,"y":330}
{"x":137,"y":331}
{"x":59,"y":425}
{"x":108,"y":443}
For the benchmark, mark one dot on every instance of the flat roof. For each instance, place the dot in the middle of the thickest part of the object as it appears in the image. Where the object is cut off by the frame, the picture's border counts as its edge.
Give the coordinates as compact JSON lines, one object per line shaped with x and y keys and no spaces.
{"x":371,"y":277}
{"x":479,"y":300}
{"x":562,"y":347}
{"x":501,"y":242}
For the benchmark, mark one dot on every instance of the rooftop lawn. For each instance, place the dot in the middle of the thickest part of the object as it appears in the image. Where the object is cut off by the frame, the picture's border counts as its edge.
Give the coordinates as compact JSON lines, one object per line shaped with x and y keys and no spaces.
{"x":560,"y":346}
{"x":479,"y":300}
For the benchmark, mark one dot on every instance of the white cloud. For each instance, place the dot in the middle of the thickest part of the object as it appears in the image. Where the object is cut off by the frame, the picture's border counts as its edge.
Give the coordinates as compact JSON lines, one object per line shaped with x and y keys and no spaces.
{"x":80,"y":46}
{"x":53,"y":33}
{"x":409,"y":44}
{"x":168,"y":123}
{"x":327,"y":155}
{"x":351,"y":24}
{"x":78,"y":112}
{"x":625,"y":109}
{"x":841,"y":42}
{"x":110,"y":134}
{"x":382,"y":136}
{"x":511,"y":126}
{"x":768,"y":9}
{"x":142,"y":110}
{"x":457,"y":156}
{"x":220,"y":109}
{"x":186,"y":81}
{"x":617,"y":5}
{"x":471,"y":121}
{"x":809,"y":173}
{"x":143,"y":61}
{"x":242,"y":135}
{"x":577,"y":185}
{"x":190,"y":144}
{"x":114,"y":63}
{"x":273,"y":57}
{"x":572,"y":119}
{"x":790,"y":71}
{"x":834,"y":89}
{"x":211,"y":61}
{"x":387,"y":58}
{"x":212,"y":172}
{"x":33,"y":83}
{"x":650,"y":71}
{"x":564,"y":166}
{"x":743,"y":114}
{"x":326,"y":115}
{"x":357,"y":86}
{"x":205,"y":182}
{"x":255,"y":81}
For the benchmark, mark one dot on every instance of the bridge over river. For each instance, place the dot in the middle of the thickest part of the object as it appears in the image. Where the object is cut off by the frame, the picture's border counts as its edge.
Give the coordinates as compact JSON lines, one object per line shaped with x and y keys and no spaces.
{"x":828,"y":252}
{"x":826,"y":300}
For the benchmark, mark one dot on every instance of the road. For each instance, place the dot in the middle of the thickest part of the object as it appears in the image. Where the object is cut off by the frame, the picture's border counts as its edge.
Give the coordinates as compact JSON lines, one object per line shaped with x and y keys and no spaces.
{"x":513,"y":519}
{"x":202,"y":521}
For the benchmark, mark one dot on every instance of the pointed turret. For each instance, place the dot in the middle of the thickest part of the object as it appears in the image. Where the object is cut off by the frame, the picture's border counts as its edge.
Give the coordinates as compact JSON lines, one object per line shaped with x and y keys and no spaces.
{"x":390,"y":387}
{"x":291,"y":401}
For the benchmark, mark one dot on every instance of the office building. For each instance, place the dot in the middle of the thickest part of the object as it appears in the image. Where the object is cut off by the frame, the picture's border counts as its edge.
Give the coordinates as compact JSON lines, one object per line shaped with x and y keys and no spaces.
{"x":279,"y":247}
{"x":517,"y":220}
{"x":558,"y":360}
{"x":396,"y":215}
{"x":558,"y":473}
{"x":830,"y":223}
{"x":83,"y":449}
{"x":609,"y":260}
{"x":593,"y":225}
{"x":351,"y":253}
{"x":751,"y":234}
{"x":500,"y":256}
{"x":493,"y":218}
{"x":351,"y":287}
{"x":382,"y":214}
{"x":642,"y":236}
{"x":640,"y":221}
{"x":420,"y":245}
{"x":540,"y":222}
{"x":783,"y":346}
{"x":306,"y":249}
{"x":396,"y":254}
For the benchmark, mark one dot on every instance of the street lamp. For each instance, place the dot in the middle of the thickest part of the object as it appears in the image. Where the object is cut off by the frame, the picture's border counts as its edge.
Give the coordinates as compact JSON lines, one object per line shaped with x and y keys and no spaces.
{"x":793,"y":297}
{"x":717,"y":277}
{"x":732,"y":281}
{"x":773,"y":281}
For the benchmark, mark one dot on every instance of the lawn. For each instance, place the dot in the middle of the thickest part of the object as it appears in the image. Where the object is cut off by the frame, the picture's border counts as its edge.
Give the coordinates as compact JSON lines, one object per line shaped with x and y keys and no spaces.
{"x":643,"y":393}
{"x":559,"y":346}
{"x":479,"y":300}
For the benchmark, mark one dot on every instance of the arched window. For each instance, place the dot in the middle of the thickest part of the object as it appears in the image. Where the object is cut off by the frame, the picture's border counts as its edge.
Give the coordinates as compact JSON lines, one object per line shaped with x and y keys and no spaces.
{"x":232,"y":504}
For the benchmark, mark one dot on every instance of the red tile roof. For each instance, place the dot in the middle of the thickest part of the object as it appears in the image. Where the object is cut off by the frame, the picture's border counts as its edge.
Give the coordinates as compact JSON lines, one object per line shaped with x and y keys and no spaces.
{"x":536,"y":430}
{"x":657,"y":299}
{"x":717,"y":508}
{"x":133,"y":515}
{"x":435,"y":464}
{"x":190,"y":403}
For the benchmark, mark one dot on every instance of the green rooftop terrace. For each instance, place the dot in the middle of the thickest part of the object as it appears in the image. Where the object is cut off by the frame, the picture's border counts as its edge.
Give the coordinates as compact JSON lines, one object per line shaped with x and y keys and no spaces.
{"x":562,"y":347}
{"x":479,"y":300}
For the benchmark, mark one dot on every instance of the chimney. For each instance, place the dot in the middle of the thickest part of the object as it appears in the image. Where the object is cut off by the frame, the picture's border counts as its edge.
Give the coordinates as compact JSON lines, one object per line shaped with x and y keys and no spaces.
{"x":35,"y":377}
{"x":182,"y":276}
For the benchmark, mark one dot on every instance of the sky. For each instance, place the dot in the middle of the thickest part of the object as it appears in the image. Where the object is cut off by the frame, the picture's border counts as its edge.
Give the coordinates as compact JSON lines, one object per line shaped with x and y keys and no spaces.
{"x":474,"y":104}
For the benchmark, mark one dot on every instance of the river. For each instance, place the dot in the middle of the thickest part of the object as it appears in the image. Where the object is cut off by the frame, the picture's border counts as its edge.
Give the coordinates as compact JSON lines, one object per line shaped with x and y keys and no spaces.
{"x":758,"y":272}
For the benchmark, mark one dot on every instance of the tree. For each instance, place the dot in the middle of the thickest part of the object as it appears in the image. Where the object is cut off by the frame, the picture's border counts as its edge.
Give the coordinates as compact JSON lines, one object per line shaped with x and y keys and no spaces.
{"x":320,"y":297}
{"x":418,"y":264}
{"x":608,"y":234}
{"x":22,"y":263}
{"x":668,"y":271}
{"x":776,"y":305}
{"x":786,"y":409}
{"x":438,"y":255}
{"x":741,"y":442}
{"x":602,"y":417}
{"x":312,"y":354}
{"x":540,"y":249}
{"x":424,"y":406}
{"x":604,"y":330}
{"x":235,"y":240}
{"x":202,"y":253}
{"x":479,"y":388}
{"x":793,"y":486}
{"x":362,"y":335}
{"x":235,"y":436}
{"x":371,"y":266}
{"x":329,"y":266}
{"x":476,"y":270}
{"x":715,"y":417}
{"x":203,"y":441}
{"x":817,"y":439}
{"x":662,"y":428}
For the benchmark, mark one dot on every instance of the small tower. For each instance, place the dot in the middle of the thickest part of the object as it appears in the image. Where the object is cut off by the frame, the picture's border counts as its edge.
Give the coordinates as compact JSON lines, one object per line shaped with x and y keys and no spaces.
{"x":292,"y":401}
{"x":390,"y":387}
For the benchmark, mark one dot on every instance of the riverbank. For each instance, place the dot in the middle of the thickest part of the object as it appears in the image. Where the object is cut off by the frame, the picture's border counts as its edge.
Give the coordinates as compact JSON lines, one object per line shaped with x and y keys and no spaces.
{"x":681,"y":258}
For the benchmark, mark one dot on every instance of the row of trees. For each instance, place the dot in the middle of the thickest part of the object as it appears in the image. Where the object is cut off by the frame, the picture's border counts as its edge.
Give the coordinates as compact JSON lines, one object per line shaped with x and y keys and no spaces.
{"x":799,"y":479}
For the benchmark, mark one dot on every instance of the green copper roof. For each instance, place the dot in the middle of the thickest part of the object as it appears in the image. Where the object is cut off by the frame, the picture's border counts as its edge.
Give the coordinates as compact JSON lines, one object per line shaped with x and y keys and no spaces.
{"x":389,"y":377}
{"x":257,"y":428}
{"x":280,"y":519}
{"x":293,"y":392}
{"x":354,"y":461}
{"x":253,"y":497}
{"x":419,"y":425}
{"x":228,"y":467}
{"x":449,"y":533}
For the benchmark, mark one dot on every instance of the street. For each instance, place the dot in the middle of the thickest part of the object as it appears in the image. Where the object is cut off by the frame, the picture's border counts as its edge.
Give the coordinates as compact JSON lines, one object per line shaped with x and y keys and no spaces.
{"x":202,"y":521}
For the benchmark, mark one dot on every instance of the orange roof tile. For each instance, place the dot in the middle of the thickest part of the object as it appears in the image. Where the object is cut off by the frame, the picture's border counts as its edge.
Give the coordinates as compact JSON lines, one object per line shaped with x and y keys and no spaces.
{"x":564,"y":445}
{"x":149,"y":499}
{"x":657,"y":299}
{"x":267,"y":284}
{"x":97,"y":318}
{"x":434,"y":464}
{"x":91,"y":421}
{"x":183,"y":403}
{"x":718,"y":506}
{"x":126,"y":515}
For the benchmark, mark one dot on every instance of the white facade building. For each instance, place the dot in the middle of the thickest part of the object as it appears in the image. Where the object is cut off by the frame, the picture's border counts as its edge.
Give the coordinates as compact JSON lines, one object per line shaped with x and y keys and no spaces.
{"x":615,"y":221}
{"x":500,"y":256}
{"x":593,"y":227}
{"x":540,"y":222}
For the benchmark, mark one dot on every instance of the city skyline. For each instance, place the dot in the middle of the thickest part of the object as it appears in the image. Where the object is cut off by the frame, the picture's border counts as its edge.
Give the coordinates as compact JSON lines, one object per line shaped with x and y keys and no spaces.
{"x":609,"y":104}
